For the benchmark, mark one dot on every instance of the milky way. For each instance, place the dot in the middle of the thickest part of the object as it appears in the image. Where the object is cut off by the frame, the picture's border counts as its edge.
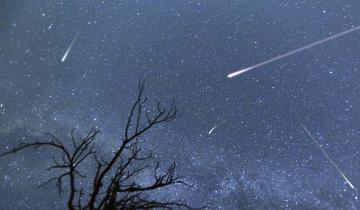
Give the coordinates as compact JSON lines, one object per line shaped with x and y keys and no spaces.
{"x":259,"y":159}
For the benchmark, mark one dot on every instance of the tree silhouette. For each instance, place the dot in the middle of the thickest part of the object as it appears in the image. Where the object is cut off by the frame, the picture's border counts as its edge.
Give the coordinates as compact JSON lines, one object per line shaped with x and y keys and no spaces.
{"x":114,"y":184}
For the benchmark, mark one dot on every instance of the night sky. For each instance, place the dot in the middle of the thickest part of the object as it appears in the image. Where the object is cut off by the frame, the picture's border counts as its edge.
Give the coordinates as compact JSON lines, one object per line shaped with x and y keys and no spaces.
{"x":258,"y":156}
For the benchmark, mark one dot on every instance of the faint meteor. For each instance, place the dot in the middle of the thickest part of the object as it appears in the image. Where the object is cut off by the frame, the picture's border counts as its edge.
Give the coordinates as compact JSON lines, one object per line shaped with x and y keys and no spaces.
{"x":69,"y":48}
{"x":212,"y":129}
{"x":236,"y":73}
{"x":327,"y":156}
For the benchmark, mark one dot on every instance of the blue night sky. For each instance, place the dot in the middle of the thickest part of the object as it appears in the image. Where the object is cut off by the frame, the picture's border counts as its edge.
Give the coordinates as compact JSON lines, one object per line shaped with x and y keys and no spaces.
{"x":258,"y":156}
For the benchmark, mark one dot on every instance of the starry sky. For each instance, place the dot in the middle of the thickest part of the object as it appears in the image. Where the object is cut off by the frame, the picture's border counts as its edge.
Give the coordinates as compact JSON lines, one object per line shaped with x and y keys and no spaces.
{"x":258,"y":156}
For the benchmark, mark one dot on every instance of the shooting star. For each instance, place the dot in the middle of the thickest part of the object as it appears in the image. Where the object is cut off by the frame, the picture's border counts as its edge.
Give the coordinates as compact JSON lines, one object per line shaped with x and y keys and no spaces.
{"x":327,"y":156}
{"x":69,"y":48}
{"x":236,"y":73}
{"x":212,"y":129}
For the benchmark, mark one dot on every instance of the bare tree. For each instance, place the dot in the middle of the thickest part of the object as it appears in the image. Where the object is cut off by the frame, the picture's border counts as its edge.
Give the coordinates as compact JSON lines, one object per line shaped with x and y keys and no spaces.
{"x":114,"y":184}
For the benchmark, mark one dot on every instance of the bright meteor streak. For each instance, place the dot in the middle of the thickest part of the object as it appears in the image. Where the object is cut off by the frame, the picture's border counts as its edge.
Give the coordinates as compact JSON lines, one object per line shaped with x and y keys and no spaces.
{"x":69,"y":48}
{"x":327,"y":156}
{"x":236,"y":73}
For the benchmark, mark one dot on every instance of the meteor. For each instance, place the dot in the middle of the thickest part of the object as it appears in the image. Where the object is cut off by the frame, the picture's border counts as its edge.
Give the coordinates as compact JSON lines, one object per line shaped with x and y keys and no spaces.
{"x":69,"y":48}
{"x":236,"y":73}
{"x":327,"y":156}
{"x":212,"y":129}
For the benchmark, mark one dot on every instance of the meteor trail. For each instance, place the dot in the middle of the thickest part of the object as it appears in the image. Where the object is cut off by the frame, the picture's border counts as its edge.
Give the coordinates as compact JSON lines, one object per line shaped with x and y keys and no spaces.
{"x":69,"y":48}
{"x":327,"y":156}
{"x":236,"y":73}
{"x":212,"y":129}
